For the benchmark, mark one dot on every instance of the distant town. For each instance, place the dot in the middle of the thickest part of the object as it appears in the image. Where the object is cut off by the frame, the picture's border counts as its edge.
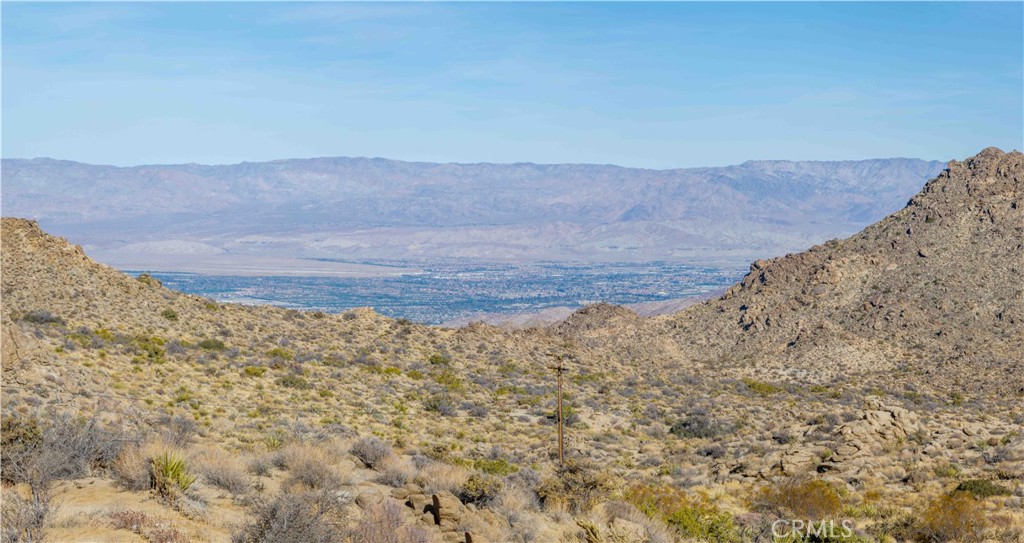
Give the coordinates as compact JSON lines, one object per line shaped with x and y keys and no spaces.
{"x":448,"y":290}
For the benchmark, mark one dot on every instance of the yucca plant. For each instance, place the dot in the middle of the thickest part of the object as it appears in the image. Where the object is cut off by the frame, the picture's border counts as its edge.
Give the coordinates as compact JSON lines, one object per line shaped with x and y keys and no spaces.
{"x":170,"y":471}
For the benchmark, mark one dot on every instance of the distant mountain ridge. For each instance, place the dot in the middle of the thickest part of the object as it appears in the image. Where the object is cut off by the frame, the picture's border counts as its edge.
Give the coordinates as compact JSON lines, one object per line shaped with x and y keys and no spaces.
{"x":362,"y":208}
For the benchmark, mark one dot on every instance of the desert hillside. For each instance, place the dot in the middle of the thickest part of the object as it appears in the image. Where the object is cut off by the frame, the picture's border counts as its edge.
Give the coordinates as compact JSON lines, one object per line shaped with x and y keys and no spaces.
{"x":875,"y":380}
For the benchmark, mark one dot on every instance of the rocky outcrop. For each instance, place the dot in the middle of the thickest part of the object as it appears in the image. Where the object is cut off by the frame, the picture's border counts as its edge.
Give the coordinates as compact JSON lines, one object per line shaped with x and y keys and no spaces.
{"x":879,"y":427}
{"x":448,"y":515}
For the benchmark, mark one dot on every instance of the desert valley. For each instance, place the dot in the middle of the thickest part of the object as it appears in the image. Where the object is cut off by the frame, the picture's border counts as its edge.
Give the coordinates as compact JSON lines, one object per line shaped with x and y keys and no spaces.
{"x":870,"y":388}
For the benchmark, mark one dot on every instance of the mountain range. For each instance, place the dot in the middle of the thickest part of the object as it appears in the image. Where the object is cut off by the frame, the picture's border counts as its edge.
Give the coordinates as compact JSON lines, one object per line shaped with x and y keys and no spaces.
{"x":161,"y":216}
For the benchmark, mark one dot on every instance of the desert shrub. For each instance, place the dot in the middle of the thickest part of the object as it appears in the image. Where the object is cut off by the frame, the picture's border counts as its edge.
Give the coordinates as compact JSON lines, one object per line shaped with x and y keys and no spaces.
{"x":293,"y":381}
{"x":953,"y":517}
{"x":982,"y":488}
{"x":261,"y":465}
{"x":495,"y":466}
{"x":133,"y":521}
{"x":440,"y":404}
{"x":283,"y":354}
{"x":691,"y":517}
{"x":166,"y":535}
{"x":894,"y":525}
{"x":761,"y":387}
{"x":384,"y":523}
{"x":131,"y":469}
{"x":371,"y":450}
{"x":42,"y":316}
{"x":151,"y":349}
{"x":802,"y":498}
{"x":310,"y":467}
{"x":211,"y":345}
{"x":656,"y":531}
{"x":481,"y":489}
{"x":438,"y":359}
{"x":169,"y":314}
{"x":24,"y":519}
{"x":177,"y":430}
{"x":569,"y":414}
{"x":254,"y":371}
{"x":170,"y":474}
{"x":696,"y":426}
{"x":20,"y":440}
{"x":449,"y":380}
{"x":947,"y":469}
{"x":38,"y":452}
{"x":476,"y":410}
{"x":308,"y":517}
{"x":221,"y":470}
{"x":395,"y":471}
{"x":577,"y":486}
{"x":149,"y":280}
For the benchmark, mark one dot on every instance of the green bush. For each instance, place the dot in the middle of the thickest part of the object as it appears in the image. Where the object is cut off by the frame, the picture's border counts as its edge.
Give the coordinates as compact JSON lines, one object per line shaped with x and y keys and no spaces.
{"x":211,"y":345}
{"x":438,"y":359}
{"x":449,"y":380}
{"x":254,"y":371}
{"x":169,"y":314}
{"x":152,"y":348}
{"x":496,"y":466}
{"x":691,"y":517}
{"x":760,"y":387}
{"x":293,"y":381}
{"x":481,"y":489}
{"x":278,"y":352}
{"x":982,"y":488}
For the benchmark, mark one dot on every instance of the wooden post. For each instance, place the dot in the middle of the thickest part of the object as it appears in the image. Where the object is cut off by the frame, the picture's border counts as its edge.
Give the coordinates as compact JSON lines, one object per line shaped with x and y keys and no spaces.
{"x":559,"y":370}
{"x":561,"y":440}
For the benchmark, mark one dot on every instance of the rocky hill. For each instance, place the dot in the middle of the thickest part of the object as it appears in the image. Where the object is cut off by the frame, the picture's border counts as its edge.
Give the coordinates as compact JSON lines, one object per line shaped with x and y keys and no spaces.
{"x":875,"y":379}
{"x":936,"y":289}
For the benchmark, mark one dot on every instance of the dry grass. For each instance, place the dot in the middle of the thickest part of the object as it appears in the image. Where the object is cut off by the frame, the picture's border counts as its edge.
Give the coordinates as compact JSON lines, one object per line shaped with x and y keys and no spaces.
{"x":223,"y":470}
{"x":439,"y":477}
{"x":310,"y":467}
{"x":395,"y":471}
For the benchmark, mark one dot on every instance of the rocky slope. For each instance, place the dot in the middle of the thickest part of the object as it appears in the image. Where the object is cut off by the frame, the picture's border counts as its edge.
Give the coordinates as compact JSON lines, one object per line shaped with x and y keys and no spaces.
{"x":936,"y":289}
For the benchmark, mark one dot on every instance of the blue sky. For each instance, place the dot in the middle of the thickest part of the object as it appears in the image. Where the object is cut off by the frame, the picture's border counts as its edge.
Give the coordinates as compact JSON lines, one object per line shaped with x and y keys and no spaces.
{"x":639,"y":84}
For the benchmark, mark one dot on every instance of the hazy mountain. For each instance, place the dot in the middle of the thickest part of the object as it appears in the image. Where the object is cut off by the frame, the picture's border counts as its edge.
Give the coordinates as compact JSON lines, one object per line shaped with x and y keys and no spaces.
{"x":355,"y":208}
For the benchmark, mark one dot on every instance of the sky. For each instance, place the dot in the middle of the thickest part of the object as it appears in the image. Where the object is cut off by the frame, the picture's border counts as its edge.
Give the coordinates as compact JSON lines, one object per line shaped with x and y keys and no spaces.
{"x":657,"y":85}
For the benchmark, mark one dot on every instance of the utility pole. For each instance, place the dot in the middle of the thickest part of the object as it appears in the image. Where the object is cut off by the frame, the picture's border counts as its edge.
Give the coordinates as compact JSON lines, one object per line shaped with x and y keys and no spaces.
{"x":559,"y":370}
